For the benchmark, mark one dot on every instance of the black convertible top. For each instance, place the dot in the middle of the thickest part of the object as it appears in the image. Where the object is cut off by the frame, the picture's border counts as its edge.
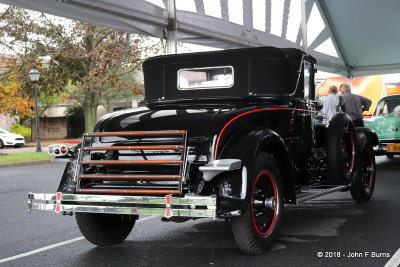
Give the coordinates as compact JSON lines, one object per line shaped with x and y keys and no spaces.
{"x":257,"y":71}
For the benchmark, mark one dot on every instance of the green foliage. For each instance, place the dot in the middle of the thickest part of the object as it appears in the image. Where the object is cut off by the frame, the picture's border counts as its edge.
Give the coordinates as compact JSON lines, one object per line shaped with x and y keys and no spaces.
{"x":20,"y":129}
{"x":47,"y":101}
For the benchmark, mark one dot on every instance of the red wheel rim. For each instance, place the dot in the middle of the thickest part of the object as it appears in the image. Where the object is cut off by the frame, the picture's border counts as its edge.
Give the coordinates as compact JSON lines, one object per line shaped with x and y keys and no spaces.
{"x":264,"y":204}
{"x":348,"y":150}
{"x":367,"y":172}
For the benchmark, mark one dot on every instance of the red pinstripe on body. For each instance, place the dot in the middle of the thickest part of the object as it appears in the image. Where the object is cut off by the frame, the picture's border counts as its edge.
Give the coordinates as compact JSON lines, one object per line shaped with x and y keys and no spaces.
{"x":245,"y":113}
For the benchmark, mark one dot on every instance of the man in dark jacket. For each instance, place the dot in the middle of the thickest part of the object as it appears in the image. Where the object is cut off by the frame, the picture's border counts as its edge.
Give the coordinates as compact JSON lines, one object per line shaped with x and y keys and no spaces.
{"x":354,"y":105}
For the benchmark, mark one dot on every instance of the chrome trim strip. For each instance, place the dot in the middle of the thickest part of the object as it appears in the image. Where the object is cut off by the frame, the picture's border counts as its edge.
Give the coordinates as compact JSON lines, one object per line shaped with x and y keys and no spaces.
{"x":41,"y":206}
{"x":200,"y":206}
{"x":124,"y":210}
{"x":42,"y":197}
{"x":244,"y":183}
{"x":192,"y":200}
{"x":205,"y":87}
{"x":212,"y":147}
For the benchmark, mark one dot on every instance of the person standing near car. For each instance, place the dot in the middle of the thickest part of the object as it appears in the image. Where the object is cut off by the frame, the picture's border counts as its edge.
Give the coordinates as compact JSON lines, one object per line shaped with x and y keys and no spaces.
{"x":329,"y":103}
{"x":354,"y":105}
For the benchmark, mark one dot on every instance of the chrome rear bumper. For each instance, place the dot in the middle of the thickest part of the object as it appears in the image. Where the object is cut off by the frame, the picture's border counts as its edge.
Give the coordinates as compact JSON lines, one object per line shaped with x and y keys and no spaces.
{"x":168,"y":206}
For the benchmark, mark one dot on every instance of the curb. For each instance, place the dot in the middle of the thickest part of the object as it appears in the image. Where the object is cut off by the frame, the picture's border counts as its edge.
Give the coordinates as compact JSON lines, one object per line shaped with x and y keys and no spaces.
{"x":22,"y":163}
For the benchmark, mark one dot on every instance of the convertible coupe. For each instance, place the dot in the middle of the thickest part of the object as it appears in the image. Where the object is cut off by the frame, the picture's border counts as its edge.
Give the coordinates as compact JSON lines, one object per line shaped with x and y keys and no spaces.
{"x":233,"y":134}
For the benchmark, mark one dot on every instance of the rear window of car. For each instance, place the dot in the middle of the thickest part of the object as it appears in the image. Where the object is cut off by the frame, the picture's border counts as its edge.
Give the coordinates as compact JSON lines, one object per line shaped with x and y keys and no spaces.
{"x":206,"y":78}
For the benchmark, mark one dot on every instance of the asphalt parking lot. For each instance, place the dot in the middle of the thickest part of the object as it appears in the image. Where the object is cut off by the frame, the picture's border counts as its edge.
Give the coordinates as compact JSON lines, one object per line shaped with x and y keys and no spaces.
{"x":329,"y":231}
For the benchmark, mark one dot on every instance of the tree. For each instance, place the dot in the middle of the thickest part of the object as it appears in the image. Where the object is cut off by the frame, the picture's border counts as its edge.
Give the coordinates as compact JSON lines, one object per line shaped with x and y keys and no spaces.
{"x":13,"y":100}
{"x":123,"y":92}
{"x":92,"y":60}
{"x":19,"y":38}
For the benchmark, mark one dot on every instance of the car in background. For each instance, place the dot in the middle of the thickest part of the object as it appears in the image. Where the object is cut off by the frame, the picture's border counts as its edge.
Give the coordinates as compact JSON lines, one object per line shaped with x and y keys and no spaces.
{"x":385,"y":121}
{"x":10,"y":139}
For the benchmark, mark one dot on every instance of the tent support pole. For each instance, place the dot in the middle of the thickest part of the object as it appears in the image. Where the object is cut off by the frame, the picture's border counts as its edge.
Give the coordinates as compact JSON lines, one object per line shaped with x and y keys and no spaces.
{"x":304,"y":24}
{"x":350,"y":80}
{"x":171,"y":28}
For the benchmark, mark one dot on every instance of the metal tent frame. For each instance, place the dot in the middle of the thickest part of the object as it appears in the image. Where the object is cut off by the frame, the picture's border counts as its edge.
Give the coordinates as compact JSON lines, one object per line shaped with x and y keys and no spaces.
{"x":363,"y":33}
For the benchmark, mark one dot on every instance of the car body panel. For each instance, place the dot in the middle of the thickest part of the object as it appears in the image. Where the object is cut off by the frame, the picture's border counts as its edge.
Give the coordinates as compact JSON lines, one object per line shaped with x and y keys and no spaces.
{"x":386,"y":126}
{"x":386,"y":122}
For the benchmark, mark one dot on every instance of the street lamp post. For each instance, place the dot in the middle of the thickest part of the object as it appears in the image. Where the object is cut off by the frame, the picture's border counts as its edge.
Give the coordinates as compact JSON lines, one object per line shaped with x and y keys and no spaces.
{"x":34,"y":75}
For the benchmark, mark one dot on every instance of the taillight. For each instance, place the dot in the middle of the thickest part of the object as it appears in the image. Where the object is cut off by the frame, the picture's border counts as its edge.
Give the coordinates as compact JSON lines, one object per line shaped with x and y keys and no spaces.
{"x":58,"y":150}
{"x":64,"y":150}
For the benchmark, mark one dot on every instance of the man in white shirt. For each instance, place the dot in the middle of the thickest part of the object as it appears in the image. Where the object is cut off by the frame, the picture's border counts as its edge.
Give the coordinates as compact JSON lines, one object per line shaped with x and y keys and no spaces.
{"x":329,"y":103}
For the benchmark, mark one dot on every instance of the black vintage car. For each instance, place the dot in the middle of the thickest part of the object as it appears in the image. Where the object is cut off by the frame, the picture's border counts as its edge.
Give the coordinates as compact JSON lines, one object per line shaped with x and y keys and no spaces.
{"x":232,"y":134}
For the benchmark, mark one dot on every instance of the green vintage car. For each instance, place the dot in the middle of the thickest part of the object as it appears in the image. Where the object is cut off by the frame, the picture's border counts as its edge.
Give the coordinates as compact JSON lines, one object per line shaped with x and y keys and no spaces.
{"x":386,"y":123}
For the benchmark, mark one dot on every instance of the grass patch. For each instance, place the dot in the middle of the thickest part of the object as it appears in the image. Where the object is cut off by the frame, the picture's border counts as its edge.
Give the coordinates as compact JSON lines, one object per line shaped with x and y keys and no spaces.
{"x":24,"y":156}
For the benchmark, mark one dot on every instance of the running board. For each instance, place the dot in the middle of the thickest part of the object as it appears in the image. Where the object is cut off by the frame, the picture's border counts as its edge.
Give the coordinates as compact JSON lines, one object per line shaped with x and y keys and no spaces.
{"x":314,"y":193}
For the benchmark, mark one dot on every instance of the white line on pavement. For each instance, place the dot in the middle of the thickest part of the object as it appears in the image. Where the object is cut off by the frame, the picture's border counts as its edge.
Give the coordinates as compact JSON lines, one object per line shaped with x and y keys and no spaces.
{"x":395,"y":260}
{"x":59,"y":244}
{"x":41,"y":249}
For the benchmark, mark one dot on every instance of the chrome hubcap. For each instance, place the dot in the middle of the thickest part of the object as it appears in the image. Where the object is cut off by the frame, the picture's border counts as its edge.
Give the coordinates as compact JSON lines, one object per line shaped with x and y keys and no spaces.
{"x":269,"y":203}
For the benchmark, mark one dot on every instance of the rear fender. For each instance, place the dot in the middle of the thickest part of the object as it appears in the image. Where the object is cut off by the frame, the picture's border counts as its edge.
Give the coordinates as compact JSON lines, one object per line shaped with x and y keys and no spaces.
{"x":245,"y":146}
{"x":363,"y":138}
{"x":67,"y":184}
{"x":369,"y":133}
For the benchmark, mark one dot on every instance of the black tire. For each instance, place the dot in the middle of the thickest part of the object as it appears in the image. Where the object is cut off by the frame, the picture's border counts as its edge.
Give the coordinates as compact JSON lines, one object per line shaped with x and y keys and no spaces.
{"x":256,"y":229}
{"x":390,"y":156}
{"x":340,"y":150}
{"x":1,"y":144}
{"x":105,"y":229}
{"x":363,"y":184}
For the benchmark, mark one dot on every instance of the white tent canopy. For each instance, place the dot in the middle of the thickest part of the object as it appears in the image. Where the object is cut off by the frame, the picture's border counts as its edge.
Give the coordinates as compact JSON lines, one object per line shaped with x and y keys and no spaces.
{"x":348,"y":37}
